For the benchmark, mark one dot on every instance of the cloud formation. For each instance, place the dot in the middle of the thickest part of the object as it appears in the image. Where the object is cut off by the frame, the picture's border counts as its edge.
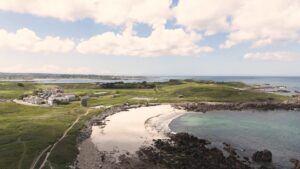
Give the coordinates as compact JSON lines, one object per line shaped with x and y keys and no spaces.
{"x":102,"y":11}
{"x":264,"y":22}
{"x":209,"y":16}
{"x":161,"y":42}
{"x":27,"y":41}
{"x":259,"y":22}
{"x":272,"y":56}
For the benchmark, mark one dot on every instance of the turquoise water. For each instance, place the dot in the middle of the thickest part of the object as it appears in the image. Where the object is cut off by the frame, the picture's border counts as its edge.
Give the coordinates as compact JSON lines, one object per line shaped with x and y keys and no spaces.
{"x":278,"y":131}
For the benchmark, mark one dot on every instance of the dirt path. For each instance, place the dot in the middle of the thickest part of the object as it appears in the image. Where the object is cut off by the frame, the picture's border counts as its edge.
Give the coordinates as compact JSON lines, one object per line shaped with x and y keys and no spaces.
{"x":28,"y":104}
{"x":38,"y":157}
{"x":23,"y":154}
{"x":33,"y":166}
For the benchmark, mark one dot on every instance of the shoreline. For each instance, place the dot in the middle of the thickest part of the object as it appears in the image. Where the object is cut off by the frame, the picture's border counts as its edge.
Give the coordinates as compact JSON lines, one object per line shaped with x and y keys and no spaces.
{"x":155,"y":126}
{"x":91,"y":157}
{"x":259,"y":106}
{"x":87,"y":148}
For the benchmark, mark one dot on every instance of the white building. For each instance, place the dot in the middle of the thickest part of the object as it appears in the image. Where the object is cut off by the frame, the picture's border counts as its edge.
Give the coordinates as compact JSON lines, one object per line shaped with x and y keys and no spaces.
{"x":34,"y":100}
{"x":61,"y":98}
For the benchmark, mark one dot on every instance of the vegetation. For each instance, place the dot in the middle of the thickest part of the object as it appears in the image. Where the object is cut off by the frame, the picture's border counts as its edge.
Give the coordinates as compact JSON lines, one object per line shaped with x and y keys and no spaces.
{"x":122,"y":85}
{"x":25,"y":130}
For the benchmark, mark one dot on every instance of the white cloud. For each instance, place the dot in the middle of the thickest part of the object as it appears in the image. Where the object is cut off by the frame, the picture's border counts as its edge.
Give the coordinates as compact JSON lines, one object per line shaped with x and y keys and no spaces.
{"x":26,"y":40}
{"x":210,"y":16}
{"x":102,"y":11}
{"x":272,"y":56}
{"x":261,"y":22}
{"x":264,"y":22}
{"x":161,"y":42}
{"x":47,"y":68}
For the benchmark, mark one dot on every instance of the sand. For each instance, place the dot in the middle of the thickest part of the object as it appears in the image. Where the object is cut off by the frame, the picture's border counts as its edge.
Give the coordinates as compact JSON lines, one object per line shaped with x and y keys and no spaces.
{"x":123,"y":134}
{"x":127,"y":131}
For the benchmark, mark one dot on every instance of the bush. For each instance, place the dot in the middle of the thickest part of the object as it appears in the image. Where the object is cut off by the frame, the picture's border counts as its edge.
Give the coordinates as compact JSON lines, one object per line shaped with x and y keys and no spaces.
{"x":20,"y":85}
{"x":122,"y":85}
{"x":22,"y":96}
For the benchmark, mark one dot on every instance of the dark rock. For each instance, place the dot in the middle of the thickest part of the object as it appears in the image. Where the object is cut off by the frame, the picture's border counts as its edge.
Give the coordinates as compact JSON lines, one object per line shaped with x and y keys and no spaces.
{"x":262,"y":156}
{"x":264,"y":167}
{"x":296,"y":163}
{"x":184,"y":151}
{"x":205,"y":107}
{"x":246,"y":158}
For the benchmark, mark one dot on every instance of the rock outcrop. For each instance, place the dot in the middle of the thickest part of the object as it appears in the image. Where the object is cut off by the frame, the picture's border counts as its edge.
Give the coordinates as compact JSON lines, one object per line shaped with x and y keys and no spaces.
{"x":296,"y":163}
{"x":262,"y":156}
{"x":264,"y":106}
{"x":185,"y":151}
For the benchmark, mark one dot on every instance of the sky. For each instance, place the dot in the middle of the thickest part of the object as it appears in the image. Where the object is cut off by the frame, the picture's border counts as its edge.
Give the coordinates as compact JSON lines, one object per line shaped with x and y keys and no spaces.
{"x":151,"y":37}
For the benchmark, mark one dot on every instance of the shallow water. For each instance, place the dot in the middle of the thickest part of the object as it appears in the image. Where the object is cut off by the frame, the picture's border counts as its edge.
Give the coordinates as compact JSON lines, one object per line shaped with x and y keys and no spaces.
{"x":278,"y":131}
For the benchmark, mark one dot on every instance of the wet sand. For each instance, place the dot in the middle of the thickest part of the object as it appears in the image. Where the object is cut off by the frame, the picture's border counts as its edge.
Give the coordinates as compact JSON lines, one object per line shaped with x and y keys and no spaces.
{"x":124,"y":133}
{"x":127,"y":131}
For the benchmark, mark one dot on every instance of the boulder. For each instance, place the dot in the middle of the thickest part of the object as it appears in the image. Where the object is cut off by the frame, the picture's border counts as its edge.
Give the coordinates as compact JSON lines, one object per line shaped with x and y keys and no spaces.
{"x":262,"y":156}
{"x":296,"y":163}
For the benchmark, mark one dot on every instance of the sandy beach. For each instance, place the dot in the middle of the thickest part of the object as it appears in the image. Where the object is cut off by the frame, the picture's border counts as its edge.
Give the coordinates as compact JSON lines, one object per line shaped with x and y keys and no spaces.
{"x":124,"y":133}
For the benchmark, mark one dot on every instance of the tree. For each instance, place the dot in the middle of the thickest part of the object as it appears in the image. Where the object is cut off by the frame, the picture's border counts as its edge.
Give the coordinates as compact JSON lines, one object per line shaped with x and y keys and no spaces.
{"x":20,"y":85}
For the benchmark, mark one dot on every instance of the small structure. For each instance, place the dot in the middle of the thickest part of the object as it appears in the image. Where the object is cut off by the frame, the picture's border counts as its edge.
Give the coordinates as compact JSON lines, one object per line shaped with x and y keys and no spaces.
{"x":33,"y":100}
{"x":84,"y":101}
{"x":70,"y":97}
{"x":61,"y":99}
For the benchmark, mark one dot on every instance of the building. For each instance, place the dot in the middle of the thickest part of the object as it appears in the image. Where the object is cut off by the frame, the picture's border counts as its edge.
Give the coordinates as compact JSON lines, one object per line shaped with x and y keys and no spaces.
{"x":45,"y":94}
{"x":71,"y":97}
{"x":84,"y":101}
{"x":34,"y":100}
{"x":51,"y":97}
{"x":61,"y":99}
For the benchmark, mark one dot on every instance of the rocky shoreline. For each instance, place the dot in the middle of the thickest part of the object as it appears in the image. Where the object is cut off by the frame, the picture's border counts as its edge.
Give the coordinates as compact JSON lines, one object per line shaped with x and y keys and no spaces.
{"x":186,"y":151}
{"x":179,"y":151}
{"x":264,"y":106}
{"x":88,"y":152}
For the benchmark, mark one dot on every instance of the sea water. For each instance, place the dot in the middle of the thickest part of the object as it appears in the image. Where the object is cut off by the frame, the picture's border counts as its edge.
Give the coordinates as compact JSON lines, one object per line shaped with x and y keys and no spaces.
{"x":277,"y":131}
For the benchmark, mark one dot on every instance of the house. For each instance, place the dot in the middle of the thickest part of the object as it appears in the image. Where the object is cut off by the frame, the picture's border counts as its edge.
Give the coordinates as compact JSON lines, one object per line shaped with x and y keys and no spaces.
{"x":34,"y":100}
{"x":61,"y":98}
{"x":71,"y":97}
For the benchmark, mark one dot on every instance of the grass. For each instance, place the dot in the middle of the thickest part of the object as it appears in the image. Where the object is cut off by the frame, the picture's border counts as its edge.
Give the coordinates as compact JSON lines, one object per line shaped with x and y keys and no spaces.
{"x":31,"y":127}
{"x":25,"y":131}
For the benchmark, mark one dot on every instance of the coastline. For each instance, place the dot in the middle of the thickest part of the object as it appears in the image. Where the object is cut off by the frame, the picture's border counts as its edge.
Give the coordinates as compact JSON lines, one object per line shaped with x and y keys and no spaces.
{"x":157,"y":131}
{"x":89,"y":155}
{"x":259,"y":106}
{"x":157,"y":126}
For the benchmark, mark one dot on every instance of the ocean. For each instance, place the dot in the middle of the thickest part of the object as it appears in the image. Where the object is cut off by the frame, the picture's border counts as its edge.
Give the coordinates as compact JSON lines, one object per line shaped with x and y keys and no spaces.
{"x":247,"y":131}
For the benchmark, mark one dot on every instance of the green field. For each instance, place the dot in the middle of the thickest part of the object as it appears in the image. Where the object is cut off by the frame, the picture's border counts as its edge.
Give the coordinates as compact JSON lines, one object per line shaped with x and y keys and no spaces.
{"x":25,"y":130}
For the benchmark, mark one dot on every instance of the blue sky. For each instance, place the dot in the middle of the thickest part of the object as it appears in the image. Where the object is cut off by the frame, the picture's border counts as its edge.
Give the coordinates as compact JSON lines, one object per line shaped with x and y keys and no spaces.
{"x":169,"y":40}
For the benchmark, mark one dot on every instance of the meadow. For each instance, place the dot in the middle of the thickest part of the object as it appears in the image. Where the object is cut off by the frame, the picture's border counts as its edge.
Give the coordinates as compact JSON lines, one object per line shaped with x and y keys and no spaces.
{"x":25,"y":131}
